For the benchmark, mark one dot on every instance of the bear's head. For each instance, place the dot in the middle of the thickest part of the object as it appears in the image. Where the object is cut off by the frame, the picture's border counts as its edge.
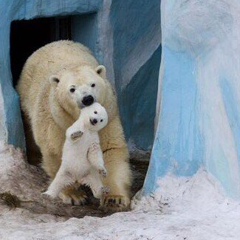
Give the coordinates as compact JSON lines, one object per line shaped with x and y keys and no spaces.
{"x":78,"y":87}
{"x":95,"y":117}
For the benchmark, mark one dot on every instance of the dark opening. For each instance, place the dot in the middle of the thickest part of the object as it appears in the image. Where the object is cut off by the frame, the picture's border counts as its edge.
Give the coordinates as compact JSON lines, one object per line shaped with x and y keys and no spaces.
{"x":29,"y":35}
{"x":26,"y":37}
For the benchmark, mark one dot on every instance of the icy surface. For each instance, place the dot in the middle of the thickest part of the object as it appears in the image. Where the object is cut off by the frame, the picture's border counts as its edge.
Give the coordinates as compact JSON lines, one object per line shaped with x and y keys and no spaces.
{"x":185,"y":208}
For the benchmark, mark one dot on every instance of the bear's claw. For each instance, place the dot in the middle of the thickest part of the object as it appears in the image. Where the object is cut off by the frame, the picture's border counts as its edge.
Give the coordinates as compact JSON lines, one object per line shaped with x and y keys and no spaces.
{"x":115,"y":203}
{"x":73,"y":196}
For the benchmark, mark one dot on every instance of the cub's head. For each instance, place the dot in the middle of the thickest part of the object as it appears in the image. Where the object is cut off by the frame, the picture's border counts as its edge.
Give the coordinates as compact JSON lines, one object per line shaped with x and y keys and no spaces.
{"x":95,"y":117}
{"x":79,"y":87}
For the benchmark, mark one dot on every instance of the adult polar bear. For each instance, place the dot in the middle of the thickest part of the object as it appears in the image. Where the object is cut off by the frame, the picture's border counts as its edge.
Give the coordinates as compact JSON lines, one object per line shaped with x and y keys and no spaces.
{"x":49,"y":79}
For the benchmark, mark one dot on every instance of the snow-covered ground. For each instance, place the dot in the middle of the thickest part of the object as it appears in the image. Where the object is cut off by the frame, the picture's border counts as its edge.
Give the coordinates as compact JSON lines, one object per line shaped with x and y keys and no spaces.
{"x":183,"y":208}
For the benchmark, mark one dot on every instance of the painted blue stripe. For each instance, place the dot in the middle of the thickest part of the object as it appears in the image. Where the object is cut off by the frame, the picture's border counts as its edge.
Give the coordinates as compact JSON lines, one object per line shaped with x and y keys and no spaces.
{"x":45,"y":8}
{"x":232,"y":109}
{"x":178,"y":146}
{"x":233,"y":114}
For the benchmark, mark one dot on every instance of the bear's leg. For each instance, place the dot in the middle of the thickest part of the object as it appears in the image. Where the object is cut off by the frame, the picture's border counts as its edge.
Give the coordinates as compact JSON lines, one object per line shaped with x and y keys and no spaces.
{"x":73,"y":195}
{"x":118,"y":180}
{"x":94,"y":181}
{"x":62,"y":180}
{"x":95,"y":157}
{"x":33,"y":151}
{"x":51,"y":163}
{"x":70,"y":195}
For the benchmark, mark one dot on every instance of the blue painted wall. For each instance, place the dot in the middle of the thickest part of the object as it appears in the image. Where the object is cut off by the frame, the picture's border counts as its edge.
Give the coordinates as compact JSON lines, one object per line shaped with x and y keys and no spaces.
{"x":124,"y":36}
{"x":137,"y":54}
{"x":138,"y":103}
{"x":198,"y":110}
{"x":17,"y":10}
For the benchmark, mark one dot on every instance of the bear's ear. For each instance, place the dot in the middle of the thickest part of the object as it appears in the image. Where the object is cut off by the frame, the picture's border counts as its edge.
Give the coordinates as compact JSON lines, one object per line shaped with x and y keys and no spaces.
{"x":54,"y":80}
{"x":101,"y":70}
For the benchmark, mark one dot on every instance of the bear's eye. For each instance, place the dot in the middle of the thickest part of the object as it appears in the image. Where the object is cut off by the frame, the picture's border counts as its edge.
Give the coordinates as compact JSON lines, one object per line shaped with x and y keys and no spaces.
{"x":101,"y":120}
{"x":93,"y":85}
{"x":95,"y":112}
{"x":72,"y":89}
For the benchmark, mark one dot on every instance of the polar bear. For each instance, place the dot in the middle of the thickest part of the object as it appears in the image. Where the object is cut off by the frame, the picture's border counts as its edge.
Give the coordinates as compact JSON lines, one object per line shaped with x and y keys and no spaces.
{"x":56,"y":82}
{"x":82,"y":158}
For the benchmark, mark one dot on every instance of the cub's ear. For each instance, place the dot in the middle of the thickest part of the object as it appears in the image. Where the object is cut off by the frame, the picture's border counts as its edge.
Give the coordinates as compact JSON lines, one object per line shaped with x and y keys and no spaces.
{"x":101,"y":71}
{"x":54,"y":80}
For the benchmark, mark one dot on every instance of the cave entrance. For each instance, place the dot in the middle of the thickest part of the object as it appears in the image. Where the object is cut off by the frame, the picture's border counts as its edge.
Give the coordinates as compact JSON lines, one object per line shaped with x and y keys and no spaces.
{"x":25,"y":38}
{"x":29,"y":35}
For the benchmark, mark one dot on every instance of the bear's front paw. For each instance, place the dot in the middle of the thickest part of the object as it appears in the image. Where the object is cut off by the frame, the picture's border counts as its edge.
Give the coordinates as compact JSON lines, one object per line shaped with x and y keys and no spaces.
{"x":49,"y":194}
{"x":103,"y":172}
{"x":76,"y":135}
{"x":73,"y":196}
{"x":115,"y":203}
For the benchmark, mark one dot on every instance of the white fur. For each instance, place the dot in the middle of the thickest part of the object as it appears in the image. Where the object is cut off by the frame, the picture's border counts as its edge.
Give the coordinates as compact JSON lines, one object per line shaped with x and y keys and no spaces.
{"x":82,"y":158}
{"x":49,"y":109}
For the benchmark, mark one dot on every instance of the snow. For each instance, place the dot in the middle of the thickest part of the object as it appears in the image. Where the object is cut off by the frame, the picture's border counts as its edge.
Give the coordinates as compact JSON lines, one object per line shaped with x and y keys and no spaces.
{"x":182,"y":208}
{"x":2,"y":117}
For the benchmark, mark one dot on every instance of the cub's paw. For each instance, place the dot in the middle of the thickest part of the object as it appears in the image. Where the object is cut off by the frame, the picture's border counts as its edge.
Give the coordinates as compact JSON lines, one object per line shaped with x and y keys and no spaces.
{"x":73,"y":196}
{"x":115,"y":203}
{"x":48,"y":195}
{"x":74,"y":136}
{"x":103,"y":172}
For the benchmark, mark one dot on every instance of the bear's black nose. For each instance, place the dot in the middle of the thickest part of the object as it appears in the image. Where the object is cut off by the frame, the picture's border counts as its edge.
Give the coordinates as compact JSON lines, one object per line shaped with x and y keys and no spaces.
{"x":94,"y":121}
{"x":88,"y":100}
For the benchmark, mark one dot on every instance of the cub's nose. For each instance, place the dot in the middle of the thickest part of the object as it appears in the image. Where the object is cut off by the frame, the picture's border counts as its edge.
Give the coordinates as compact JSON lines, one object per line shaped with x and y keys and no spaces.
{"x":94,"y":121}
{"x":88,"y":100}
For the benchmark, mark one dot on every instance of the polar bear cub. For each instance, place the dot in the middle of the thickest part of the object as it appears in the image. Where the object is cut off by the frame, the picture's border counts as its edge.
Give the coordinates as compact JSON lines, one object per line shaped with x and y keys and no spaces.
{"x":82,"y":158}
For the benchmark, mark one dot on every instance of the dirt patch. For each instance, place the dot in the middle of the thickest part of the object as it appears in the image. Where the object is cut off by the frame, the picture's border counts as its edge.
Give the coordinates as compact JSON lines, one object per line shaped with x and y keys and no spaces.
{"x":22,"y":188}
